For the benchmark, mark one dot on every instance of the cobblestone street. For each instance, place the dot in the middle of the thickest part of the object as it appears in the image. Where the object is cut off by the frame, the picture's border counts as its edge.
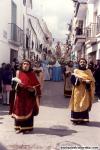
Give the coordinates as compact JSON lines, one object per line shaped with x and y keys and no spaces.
{"x":52,"y":127}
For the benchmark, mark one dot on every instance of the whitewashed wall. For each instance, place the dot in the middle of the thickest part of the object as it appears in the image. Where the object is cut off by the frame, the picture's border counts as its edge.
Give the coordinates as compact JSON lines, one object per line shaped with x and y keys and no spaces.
{"x":5,"y":17}
{"x":89,"y":16}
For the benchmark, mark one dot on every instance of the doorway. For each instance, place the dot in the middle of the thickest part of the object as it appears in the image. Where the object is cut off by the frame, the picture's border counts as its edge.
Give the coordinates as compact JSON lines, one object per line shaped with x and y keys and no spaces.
{"x":13,"y":55}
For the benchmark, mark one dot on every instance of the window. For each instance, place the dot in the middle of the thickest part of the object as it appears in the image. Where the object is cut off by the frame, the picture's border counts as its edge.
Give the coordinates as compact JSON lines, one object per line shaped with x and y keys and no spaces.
{"x":31,"y":3}
{"x":24,"y":2}
{"x":14,"y":13}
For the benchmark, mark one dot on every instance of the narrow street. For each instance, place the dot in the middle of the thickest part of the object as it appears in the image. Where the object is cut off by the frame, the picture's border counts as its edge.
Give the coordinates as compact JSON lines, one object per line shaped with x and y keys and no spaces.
{"x":52,"y":127}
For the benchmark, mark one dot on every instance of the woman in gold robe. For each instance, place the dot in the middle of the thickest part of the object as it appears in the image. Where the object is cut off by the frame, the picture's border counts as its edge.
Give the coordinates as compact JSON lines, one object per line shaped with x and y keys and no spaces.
{"x":82,"y":93}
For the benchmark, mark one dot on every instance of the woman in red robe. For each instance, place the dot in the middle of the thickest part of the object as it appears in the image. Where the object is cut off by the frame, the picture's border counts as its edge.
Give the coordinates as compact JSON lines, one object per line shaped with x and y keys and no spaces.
{"x":27,"y":98}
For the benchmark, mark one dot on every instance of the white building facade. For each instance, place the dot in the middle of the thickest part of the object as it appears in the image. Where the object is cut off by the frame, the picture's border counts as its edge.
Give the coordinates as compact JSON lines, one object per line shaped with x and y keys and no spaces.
{"x":85,"y":31}
{"x":78,"y":30}
{"x":93,"y":30}
{"x":11,"y":29}
{"x":19,"y":38}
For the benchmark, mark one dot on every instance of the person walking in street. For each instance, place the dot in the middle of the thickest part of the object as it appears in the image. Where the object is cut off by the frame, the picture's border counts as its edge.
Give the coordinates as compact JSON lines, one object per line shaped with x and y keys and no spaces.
{"x":45,"y":66}
{"x":39,"y":73}
{"x":6,"y":78}
{"x":27,"y":98}
{"x":0,"y":86}
{"x":57,"y":72}
{"x":14,"y":68}
{"x":67,"y":81}
{"x":91,"y":66}
{"x":82,"y":93}
{"x":97,"y":80}
{"x":2,"y":70}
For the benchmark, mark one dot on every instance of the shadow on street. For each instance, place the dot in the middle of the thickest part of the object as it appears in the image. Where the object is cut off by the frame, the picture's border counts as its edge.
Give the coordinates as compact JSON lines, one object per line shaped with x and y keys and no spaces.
{"x":4,"y":110}
{"x":94,"y":124}
{"x":53,"y":95}
{"x":2,"y":147}
{"x":1,"y":118}
{"x":54,"y":130}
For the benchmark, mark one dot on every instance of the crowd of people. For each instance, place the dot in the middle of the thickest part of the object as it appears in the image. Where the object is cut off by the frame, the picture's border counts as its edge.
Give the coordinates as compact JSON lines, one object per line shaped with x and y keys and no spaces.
{"x":44,"y":71}
{"x":21,"y":87}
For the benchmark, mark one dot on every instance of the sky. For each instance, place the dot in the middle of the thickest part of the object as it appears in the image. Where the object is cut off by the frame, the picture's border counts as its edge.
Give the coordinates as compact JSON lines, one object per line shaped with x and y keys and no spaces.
{"x":56,"y":13}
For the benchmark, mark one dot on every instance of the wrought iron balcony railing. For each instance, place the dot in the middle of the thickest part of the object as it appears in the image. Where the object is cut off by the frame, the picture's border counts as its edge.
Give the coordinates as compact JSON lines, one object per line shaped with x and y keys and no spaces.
{"x":98,"y":24}
{"x":16,"y":35}
{"x":91,"y":31}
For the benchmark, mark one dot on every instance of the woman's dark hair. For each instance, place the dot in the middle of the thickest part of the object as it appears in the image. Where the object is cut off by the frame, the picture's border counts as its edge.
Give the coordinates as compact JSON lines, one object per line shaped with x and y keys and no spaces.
{"x":8,"y":67}
{"x":70,"y":63}
{"x":21,"y":64}
{"x":91,"y":62}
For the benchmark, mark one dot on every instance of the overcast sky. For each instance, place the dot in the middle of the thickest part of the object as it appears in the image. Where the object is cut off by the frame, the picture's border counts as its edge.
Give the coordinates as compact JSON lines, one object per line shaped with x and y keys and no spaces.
{"x":56,"y":13}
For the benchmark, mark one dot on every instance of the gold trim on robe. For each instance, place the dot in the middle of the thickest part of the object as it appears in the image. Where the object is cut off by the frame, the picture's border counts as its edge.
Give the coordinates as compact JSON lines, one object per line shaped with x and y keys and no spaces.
{"x":23,"y":128}
{"x":22,"y":117}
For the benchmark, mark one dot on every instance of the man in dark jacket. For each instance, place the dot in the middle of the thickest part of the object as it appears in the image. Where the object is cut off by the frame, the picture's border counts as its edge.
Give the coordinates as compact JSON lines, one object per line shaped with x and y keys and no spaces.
{"x":97,"y":80}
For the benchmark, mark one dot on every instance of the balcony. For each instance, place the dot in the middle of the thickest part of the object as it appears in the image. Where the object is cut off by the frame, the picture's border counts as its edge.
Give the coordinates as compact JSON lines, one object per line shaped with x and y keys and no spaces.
{"x":16,"y":35}
{"x":80,"y":35}
{"x":98,"y":26}
{"x":91,"y":32}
